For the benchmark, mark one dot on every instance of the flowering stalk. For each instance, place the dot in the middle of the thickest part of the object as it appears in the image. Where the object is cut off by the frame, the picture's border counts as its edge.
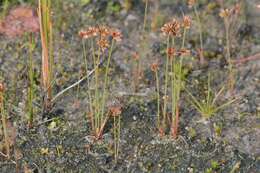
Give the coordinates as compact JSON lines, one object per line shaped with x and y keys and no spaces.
{"x":226,"y":14}
{"x":115,"y":112}
{"x":154,"y":68}
{"x":106,"y":80}
{"x":97,"y":112}
{"x":172,"y":30}
{"x":166,"y":84}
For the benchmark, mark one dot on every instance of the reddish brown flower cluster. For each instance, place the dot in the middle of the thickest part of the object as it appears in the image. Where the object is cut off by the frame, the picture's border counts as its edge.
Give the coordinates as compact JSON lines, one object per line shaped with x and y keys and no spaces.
{"x":115,"y":111}
{"x":90,"y":32}
{"x":103,"y":44}
{"x":182,"y":52}
{"x":136,"y":56}
{"x":191,"y":3}
{"x":171,"y":28}
{"x":154,"y":67}
{"x":171,"y":51}
{"x":186,"y":23}
{"x":225,"y":13}
{"x":102,"y":32}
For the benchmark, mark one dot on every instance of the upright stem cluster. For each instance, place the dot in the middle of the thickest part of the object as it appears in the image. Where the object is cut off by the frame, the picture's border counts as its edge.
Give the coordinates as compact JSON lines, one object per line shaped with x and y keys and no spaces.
{"x":44,"y":13}
{"x":173,"y":73}
{"x":97,"y":100}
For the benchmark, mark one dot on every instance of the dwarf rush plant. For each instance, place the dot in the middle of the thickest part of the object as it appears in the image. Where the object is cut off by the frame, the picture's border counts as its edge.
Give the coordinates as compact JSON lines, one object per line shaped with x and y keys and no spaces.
{"x":97,"y":99}
{"x":44,"y":13}
{"x":208,"y":107}
{"x":115,"y":112}
{"x":228,"y":16}
{"x":173,"y":66}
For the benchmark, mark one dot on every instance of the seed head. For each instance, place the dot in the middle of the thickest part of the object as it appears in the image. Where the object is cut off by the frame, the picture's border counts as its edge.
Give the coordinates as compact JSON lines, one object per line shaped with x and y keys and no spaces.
{"x":191,"y":3}
{"x":154,"y":67}
{"x":171,"y":28}
{"x":103,"y":44}
{"x":103,"y":31}
{"x":90,"y":32}
{"x":116,"y":35}
{"x":184,"y":52}
{"x":136,"y":56}
{"x":171,"y":51}
{"x":236,"y":9}
{"x":115,"y":110}
{"x":225,"y":13}
{"x":186,"y":23}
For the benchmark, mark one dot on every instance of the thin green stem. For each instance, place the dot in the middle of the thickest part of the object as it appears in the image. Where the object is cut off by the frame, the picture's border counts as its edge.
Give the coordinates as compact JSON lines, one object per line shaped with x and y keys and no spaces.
{"x":166,"y":83}
{"x":106,"y":80}
{"x":31,"y":82}
{"x":96,"y":105}
{"x":158,"y":98}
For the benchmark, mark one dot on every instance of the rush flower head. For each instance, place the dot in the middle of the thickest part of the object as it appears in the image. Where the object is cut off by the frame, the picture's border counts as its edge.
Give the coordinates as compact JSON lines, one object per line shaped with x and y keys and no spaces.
{"x":115,"y":110}
{"x":191,"y":3}
{"x":136,"y":56}
{"x":154,"y":67}
{"x":186,"y":23}
{"x":103,"y":31}
{"x":103,"y":44}
{"x":236,"y":9}
{"x":171,"y":51}
{"x":90,"y":32}
{"x":184,"y":52}
{"x":116,"y":35}
{"x":225,"y":13}
{"x":171,"y":28}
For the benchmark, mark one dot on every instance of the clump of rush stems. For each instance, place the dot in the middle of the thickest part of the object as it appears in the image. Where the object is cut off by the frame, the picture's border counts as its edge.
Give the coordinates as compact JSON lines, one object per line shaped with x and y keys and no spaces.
{"x":208,"y":106}
{"x":174,"y":60}
{"x":97,"y":99}
{"x":4,"y":121}
{"x":44,"y":13}
{"x":193,"y":4}
{"x":228,"y":16}
{"x":115,"y":112}
{"x":31,"y":82}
